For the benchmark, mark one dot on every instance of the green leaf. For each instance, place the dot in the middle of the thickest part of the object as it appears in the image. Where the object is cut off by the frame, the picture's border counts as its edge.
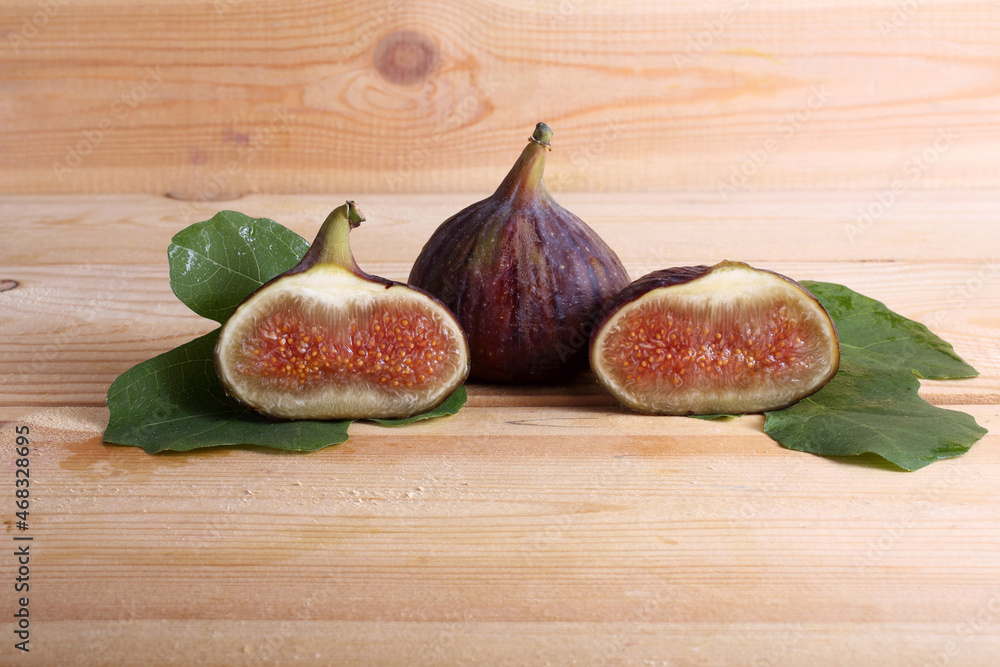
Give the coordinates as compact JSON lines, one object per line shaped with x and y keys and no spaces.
{"x":872,"y":405}
{"x":880,"y":338}
{"x":718,"y":418}
{"x":174,"y":401}
{"x":217,"y":263}
{"x":451,"y":405}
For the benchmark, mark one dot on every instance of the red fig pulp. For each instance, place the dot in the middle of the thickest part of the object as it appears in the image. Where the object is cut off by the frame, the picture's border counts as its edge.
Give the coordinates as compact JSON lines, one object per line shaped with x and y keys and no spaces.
{"x":726,"y":339}
{"x":524,"y":276}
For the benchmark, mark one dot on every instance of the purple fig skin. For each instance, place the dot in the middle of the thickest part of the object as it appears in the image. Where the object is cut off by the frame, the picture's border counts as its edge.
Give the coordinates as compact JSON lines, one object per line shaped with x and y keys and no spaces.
{"x":667,"y":278}
{"x":524,"y":276}
{"x":640,"y":286}
{"x":684,"y":274}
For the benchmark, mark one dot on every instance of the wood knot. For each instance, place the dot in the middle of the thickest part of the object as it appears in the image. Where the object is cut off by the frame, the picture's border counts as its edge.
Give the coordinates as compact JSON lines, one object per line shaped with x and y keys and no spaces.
{"x":6,"y":285}
{"x":405,"y":57}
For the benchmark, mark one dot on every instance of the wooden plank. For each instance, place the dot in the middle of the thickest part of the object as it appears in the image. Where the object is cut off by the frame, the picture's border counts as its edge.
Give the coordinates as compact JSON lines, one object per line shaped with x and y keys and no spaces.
{"x":208,"y":100}
{"x":493,"y":525}
{"x":648,"y":230}
{"x":430,"y":644}
{"x":93,"y":296}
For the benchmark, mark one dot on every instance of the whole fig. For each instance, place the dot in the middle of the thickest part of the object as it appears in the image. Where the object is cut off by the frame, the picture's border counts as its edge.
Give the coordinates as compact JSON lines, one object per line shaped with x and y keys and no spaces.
{"x":325,"y":340}
{"x":524,"y":276}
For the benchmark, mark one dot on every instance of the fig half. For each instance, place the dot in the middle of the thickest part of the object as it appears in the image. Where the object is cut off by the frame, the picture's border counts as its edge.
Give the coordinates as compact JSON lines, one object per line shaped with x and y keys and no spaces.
{"x":725,"y":339}
{"x":524,"y":276}
{"x":325,"y":340}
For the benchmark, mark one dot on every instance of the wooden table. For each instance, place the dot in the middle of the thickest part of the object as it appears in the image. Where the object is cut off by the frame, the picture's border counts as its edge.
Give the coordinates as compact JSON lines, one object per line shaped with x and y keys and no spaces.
{"x":537,"y":526}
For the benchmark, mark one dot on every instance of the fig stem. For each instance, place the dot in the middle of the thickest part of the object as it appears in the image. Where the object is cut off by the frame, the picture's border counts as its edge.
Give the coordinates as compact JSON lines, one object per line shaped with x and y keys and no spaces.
{"x":526,"y":174}
{"x":332,"y":244}
{"x":542,"y":135}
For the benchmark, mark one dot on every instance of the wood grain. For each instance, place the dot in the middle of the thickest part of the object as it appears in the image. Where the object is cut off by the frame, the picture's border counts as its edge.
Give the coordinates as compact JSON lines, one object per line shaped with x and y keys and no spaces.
{"x":489,"y":538}
{"x":212,"y":99}
{"x":514,"y":644}
{"x":537,"y":526}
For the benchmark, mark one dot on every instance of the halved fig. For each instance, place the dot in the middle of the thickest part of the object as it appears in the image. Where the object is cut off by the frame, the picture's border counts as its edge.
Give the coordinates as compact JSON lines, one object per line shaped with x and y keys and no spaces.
{"x":725,"y":339}
{"x":325,"y":340}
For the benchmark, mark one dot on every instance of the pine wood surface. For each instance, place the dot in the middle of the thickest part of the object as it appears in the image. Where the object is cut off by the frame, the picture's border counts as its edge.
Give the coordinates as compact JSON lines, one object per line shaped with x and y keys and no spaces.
{"x":538,"y":525}
{"x":214,"y":98}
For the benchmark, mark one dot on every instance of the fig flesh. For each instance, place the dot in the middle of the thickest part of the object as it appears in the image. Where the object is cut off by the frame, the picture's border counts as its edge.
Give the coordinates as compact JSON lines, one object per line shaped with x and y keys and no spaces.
{"x":326,"y":340}
{"x":726,"y":339}
{"x":524,"y":276}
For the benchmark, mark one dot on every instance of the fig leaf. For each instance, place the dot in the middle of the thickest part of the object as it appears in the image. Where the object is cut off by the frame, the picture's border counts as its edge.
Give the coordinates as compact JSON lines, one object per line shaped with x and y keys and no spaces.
{"x":174,"y":401}
{"x":451,"y":405}
{"x":871,"y":405}
{"x":217,"y":263}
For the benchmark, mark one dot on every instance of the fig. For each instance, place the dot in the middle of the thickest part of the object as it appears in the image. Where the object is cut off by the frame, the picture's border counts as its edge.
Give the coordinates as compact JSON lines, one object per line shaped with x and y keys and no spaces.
{"x":325,"y":340}
{"x":524,"y":276}
{"x":723,"y":339}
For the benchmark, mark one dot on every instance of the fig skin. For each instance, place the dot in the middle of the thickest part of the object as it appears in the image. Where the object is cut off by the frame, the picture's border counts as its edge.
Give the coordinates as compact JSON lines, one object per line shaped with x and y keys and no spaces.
{"x":728,"y":401}
{"x":524,"y":276}
{"x":322,"y":288}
